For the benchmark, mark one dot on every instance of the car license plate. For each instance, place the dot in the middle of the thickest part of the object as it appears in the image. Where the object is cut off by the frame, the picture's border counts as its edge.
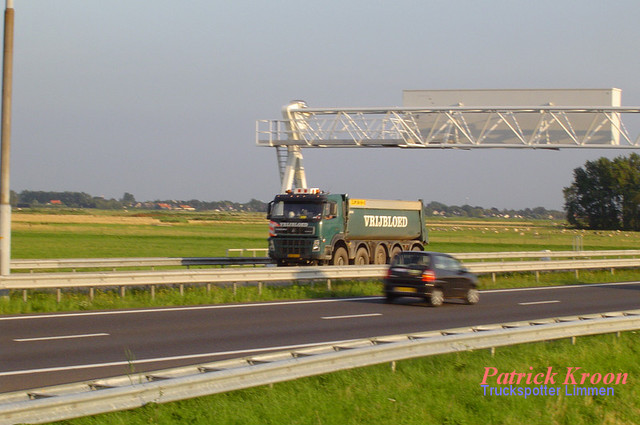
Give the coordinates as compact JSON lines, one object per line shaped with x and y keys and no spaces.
{"x":293,"y":255}
{"x":405,"y":289}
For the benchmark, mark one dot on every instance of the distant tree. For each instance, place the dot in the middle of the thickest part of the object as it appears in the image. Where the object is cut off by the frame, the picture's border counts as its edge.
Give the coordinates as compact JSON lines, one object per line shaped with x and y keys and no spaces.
{"x":605,"y":194}
{"x":256,"y":205}
{"x":539,"y":212}
{"x":128,"y":199}
{"x":627,"y":175}
{"x":592,"y":200}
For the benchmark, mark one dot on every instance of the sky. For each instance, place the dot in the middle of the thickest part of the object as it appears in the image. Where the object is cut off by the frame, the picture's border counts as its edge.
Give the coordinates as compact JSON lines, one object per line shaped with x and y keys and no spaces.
{"x":160,"y":99}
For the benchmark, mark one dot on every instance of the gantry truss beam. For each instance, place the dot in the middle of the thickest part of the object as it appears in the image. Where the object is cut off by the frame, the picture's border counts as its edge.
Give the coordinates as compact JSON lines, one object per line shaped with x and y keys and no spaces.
{"x":462,"y":127}
{"x":452,"y":127}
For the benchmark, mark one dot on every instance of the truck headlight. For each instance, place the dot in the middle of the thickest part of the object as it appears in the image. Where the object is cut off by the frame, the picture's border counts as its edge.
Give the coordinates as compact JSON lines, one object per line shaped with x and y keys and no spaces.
{"x":316,"y":245}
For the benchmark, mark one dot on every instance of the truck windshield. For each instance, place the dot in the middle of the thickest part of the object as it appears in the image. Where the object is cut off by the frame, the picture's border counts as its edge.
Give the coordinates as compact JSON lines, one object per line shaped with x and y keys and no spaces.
{"x":297,"y":211}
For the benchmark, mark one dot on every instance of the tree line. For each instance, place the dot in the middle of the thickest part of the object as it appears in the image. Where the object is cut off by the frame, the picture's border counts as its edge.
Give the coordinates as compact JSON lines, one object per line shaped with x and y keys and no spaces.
{"x":538,"y":213}
{"x":605,"y":194}
{"x":40,"y":199}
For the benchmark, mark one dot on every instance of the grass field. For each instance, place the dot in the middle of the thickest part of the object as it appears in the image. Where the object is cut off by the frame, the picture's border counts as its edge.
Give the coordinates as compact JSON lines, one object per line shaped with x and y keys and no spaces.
{"x":37,"y":235}
{"x":105,"y":234}
{"x":433,"y":390}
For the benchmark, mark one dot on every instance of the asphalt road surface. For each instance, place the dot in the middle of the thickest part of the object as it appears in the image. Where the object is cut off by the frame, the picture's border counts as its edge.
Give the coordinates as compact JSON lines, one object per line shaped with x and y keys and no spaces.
{"x":49,"y":349}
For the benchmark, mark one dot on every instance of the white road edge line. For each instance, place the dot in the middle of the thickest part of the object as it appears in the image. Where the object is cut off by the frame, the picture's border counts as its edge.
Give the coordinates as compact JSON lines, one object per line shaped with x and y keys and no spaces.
{"x":540,"y":302}
{"x":352,"y":316}
{"x":50,"y":338}
{"x":164,"y":359}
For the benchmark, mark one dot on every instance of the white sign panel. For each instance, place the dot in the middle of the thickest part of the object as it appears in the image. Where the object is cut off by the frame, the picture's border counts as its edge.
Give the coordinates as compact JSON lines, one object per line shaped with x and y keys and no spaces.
{"x":545,"y":128}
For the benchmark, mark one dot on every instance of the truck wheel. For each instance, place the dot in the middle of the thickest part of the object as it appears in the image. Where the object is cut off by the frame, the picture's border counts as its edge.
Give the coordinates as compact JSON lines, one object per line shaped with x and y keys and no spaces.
{"x":362,"y":257}
{"x":340,"y":257}
{"x":395,"y":251}
{"x":380,"y":255}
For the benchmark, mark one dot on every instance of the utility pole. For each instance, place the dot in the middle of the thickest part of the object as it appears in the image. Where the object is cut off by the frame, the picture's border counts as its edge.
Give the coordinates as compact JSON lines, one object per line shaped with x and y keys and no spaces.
{"x":5,"y":147}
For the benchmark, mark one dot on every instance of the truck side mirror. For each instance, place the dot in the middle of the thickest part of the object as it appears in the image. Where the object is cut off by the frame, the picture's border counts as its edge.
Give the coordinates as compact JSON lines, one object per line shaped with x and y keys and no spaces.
{"x":269,"y":210}
{"x":333,"y":210}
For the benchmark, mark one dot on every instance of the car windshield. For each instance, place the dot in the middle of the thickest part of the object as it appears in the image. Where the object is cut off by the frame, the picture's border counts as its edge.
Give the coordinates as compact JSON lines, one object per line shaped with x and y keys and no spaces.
{"x":412,"y":259}
{"x":297,"y":211}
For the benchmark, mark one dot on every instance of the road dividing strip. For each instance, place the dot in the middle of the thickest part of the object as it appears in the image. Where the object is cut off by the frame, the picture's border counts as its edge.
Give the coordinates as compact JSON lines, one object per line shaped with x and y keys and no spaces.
{"x":50,"y":338}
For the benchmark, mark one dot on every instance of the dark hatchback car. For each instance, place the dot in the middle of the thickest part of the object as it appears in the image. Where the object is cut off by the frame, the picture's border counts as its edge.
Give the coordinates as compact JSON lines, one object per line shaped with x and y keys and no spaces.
{"x":430,"y":275}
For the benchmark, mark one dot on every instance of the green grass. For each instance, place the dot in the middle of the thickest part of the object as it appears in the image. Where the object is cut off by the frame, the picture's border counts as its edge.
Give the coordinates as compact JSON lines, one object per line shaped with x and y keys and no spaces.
{"x":482,"y":238}
{"x":72,"y":300}
{"x":432,"y":390}
{"x":54,"y":240}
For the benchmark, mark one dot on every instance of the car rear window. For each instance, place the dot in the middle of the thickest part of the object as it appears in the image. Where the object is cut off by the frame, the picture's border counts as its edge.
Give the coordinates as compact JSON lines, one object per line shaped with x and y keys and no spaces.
{"x":408,"y":259}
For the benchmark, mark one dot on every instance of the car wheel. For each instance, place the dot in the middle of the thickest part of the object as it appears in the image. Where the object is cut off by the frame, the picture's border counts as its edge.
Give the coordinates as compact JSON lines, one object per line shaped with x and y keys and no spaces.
{"x":472,"y":297}
{"x":340,"y":257}
{"x":388,"y":298}
{"x":436,"y":298}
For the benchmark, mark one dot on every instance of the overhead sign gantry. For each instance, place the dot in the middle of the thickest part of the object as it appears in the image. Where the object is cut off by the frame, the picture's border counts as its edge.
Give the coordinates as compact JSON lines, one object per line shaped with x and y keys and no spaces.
{"x":544,"y":126}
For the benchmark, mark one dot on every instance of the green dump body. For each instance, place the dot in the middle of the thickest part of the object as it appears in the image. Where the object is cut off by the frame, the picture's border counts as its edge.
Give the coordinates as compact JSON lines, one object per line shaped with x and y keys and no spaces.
{"x":375,"y":219}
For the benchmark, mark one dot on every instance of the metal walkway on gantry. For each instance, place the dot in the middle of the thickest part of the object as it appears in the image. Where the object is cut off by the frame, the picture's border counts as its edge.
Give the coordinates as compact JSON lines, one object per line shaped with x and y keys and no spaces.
{"x":460,"y":127}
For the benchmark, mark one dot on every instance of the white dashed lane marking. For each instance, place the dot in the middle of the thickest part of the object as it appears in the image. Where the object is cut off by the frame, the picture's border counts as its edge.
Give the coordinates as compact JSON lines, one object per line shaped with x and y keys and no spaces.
{"x":540,"y":302}
{"x":50,"y":338}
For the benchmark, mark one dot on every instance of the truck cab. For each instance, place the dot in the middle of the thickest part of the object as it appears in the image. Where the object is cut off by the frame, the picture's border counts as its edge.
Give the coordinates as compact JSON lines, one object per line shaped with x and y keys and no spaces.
{"x":303,"y":226}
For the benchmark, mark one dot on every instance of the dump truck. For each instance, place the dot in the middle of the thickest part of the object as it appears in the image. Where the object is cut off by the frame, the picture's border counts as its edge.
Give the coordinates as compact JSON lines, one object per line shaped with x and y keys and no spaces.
{"x":311,"y":227}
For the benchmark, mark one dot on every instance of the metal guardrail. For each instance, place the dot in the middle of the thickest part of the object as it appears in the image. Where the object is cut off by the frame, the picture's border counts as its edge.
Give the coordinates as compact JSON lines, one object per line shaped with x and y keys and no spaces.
{"x":545,"y":254}
{"x":253,"y":251}
{"x":75,"y":400}
{"x":116,"y":263}
{"x":552,"y":265}
{"x":275,"y":274}
{"x":177,"y":277}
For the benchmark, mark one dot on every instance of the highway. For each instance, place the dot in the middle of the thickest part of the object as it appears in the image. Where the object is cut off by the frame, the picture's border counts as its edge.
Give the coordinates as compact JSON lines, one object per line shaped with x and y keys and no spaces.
{"x":48,"y":349}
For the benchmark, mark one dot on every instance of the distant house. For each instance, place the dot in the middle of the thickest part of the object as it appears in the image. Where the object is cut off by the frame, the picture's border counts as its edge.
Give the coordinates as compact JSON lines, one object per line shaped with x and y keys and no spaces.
{"x":164,"y":206}
{"x":55,"y":202}
{"x":187,"y":207}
